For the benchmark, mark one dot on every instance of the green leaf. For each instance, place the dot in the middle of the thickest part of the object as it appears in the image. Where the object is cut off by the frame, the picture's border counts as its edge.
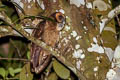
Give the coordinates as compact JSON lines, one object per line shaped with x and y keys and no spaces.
{"x":17,"y":70}
{"x":2,"y":9}
{"x":11,"y":71}
{"x":2,"y":72}
{"x":60,"y":70}
{"x":26,"y":74}
{"x":1,"y":22}
{"x":28,"y":54}
{"x":6,"y":73}
{"x":52,"y":76}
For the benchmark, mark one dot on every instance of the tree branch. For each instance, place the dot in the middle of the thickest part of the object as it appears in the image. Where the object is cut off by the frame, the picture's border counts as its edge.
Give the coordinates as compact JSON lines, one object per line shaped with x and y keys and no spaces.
{"x":109,"y":17}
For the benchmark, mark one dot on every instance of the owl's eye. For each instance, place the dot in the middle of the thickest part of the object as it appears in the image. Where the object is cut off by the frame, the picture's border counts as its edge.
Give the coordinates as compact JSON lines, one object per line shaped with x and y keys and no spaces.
{"x":60,"y":17}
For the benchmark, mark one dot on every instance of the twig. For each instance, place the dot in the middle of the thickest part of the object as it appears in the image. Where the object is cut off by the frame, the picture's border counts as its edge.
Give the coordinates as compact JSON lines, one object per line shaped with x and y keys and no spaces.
{"x":30,"y":28}
{"x":17,"y":59}
{"x":49,"y":69}
{"x":10,"y":79}
{"x":18,"y":51}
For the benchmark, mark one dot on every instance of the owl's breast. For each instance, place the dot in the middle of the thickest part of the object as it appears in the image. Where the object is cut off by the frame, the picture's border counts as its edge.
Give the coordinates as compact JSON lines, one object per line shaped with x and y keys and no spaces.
{"x":50,"y":37}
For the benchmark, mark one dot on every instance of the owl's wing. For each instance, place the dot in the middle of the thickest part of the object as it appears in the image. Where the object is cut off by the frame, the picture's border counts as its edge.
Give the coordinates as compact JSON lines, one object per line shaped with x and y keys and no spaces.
{"x":39,"y":57}
{"x":37,"y":32}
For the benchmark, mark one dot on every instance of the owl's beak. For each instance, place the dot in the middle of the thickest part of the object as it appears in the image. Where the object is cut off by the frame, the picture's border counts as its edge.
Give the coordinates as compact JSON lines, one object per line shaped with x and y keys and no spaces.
{"x":63,"y":21}
{"x":61,"y":25}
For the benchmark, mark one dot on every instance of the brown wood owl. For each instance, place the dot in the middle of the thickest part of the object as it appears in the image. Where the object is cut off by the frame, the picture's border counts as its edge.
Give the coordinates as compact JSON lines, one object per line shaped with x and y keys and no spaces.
{"x":48,"y":32}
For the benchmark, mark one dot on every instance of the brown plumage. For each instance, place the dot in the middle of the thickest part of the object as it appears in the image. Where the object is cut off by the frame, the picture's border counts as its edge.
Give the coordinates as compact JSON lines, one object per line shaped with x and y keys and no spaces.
{"x":48,"y":32}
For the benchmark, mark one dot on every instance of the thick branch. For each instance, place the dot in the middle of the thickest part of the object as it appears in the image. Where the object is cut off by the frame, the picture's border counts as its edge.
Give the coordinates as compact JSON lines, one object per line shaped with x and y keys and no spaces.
{"x":19,"y":28}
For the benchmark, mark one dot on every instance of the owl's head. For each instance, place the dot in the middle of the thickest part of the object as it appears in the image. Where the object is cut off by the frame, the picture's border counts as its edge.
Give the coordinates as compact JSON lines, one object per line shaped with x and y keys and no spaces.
{"x":60,"y":19}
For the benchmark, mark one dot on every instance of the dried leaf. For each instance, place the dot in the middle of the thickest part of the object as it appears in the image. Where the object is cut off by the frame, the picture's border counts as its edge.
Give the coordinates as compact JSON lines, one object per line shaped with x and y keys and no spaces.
{"x":60,"y":70}
{"x":52,"y":76}
{"x":25,"y":74}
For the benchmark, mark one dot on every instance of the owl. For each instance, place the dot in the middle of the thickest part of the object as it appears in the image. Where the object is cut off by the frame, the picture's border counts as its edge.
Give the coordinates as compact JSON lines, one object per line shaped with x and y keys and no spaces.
{"x":48,"y":32}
